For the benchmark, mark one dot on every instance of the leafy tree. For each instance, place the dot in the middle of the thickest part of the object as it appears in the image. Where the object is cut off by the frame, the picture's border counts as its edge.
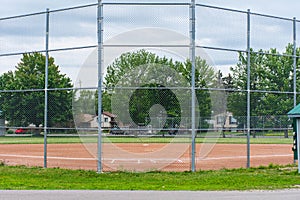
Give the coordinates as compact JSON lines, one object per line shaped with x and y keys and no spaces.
{"x":128,"y":62}
{"x":22,"y":101}
{"x":220,"y":94}
{"x":219,"y":100}
{"x":143,"y":98}
{"x":84,"y":101}
{"x":130,"y":70}
{"x":205,"y":78}
{"x":271,"y":76}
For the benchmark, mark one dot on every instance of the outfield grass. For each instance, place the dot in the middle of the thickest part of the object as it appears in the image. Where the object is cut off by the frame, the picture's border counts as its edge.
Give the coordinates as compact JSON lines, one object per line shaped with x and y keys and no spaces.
{"x":262,"y":178}
{"x":86,"y":139}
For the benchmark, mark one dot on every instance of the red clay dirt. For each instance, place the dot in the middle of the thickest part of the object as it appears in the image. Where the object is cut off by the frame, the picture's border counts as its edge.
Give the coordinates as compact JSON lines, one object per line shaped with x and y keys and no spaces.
{"x":145,"y":157}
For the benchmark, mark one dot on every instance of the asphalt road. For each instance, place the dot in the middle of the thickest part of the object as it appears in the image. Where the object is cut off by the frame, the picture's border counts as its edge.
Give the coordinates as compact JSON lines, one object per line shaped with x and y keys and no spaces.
{"x":147,"y":195}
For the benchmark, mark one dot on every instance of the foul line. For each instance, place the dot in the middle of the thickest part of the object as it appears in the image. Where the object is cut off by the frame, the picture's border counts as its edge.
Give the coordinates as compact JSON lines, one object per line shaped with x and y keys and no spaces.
{"x":42,"y":157}
{"x":139,"y":161}
{"x":240,"y":157}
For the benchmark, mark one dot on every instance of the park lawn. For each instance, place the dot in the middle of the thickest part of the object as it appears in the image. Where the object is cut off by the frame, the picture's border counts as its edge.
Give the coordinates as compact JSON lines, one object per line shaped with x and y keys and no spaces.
{"x":261,"y":178}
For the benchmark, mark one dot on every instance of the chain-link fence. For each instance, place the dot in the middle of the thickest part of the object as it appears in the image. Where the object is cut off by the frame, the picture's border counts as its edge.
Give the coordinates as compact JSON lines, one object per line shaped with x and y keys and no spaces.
{"x":178,"y":86}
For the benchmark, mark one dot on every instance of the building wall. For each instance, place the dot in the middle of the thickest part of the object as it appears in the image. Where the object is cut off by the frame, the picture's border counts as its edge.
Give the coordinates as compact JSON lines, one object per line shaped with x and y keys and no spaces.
{"x":105,"y":122}
{"x":225,"y":120}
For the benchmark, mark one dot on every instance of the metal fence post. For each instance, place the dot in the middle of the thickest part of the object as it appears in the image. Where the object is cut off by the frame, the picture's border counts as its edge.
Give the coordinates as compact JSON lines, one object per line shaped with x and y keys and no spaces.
{"x":100,"y":51}
{"x":46,"y":88}
{"x":295,"y":79}
{"x":294,"y":62}
{"x":248,"y":88}
{"x":193,"y":61}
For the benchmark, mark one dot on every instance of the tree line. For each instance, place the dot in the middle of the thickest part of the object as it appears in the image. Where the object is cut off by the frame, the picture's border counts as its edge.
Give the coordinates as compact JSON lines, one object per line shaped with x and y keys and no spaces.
{"x":22,"y":90}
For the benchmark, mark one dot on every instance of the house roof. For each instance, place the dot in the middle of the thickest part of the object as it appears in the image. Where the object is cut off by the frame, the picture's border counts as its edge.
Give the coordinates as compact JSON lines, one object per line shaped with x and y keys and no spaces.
{"x":109,"y":114}
{"x":88,"y":117}
{"x":295,"y":112}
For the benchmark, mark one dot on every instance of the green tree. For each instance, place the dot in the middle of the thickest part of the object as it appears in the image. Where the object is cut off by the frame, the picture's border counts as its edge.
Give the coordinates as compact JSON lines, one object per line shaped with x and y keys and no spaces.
{"x":84,"y":101}
{"x":125,"y":71}
{"x":205,"y":78}
{"x":270,"y":80}
{"x":144,"y":98}
{"x":22,"y":101}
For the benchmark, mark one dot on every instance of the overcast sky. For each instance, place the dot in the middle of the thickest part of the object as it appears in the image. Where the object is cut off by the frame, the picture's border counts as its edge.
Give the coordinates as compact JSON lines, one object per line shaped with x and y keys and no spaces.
{"x":215,"y":28}
{"x":284,"y":8}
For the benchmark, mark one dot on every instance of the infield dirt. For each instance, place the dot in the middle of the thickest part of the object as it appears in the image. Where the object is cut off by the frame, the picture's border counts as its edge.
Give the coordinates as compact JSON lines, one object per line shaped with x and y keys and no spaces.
{"x":143,"y":157}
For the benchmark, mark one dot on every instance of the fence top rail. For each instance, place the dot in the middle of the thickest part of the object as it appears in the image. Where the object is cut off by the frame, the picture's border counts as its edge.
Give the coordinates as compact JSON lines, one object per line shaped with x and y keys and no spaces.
{"x":245,"y":12}
{"x":147,"y":4}
{"x":221,"y":8}
{"x":273,"y":16}
{"x":22,"y":16}
{"x":90,"y":5}
{"x":73,"y":7}
{"x":50,"y":11}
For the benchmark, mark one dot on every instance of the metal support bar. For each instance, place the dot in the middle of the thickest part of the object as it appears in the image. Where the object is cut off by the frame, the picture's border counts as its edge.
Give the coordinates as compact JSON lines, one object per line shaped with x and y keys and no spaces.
{"x":46,"y":88}
{"x":294,"y":62}
{"x":193,"y":61}
{"x":248,"y":88}
{"x":100,"y":57}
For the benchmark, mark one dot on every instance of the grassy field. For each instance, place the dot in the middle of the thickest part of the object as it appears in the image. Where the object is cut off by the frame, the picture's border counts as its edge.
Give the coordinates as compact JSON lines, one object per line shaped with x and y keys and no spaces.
{"x":262,"y":178}
{"x":93,"y":139}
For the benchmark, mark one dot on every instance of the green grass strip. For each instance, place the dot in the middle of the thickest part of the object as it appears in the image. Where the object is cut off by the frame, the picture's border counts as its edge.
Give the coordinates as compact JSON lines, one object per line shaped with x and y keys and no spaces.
{"x":87,"y":139}
{"x":262,"y":178}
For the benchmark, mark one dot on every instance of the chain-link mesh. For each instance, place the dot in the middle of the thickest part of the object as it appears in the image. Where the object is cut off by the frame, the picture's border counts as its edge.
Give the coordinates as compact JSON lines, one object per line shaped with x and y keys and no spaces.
{"x":22,"y":34}
{"x":146,"y":108}
{"x":131,"y":17}
{"x":262,"y":27}
{"x":210,"y":22}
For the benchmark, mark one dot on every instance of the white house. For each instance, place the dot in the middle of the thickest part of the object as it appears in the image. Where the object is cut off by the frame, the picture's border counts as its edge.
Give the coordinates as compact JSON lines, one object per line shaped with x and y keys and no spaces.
{"x":108,"y":120}
{"x":225,"y":121}
{"x":91,"y":121}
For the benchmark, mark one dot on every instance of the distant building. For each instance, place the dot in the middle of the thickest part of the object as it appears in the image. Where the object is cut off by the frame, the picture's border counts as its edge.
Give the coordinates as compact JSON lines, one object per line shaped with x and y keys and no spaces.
{"x":225,"y":121}
{"x":91,"y":121}
{"x":108,"y":120}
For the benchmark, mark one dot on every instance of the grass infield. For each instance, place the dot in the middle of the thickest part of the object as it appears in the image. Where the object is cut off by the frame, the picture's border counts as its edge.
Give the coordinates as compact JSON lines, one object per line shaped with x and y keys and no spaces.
{"x":261,"y":178}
